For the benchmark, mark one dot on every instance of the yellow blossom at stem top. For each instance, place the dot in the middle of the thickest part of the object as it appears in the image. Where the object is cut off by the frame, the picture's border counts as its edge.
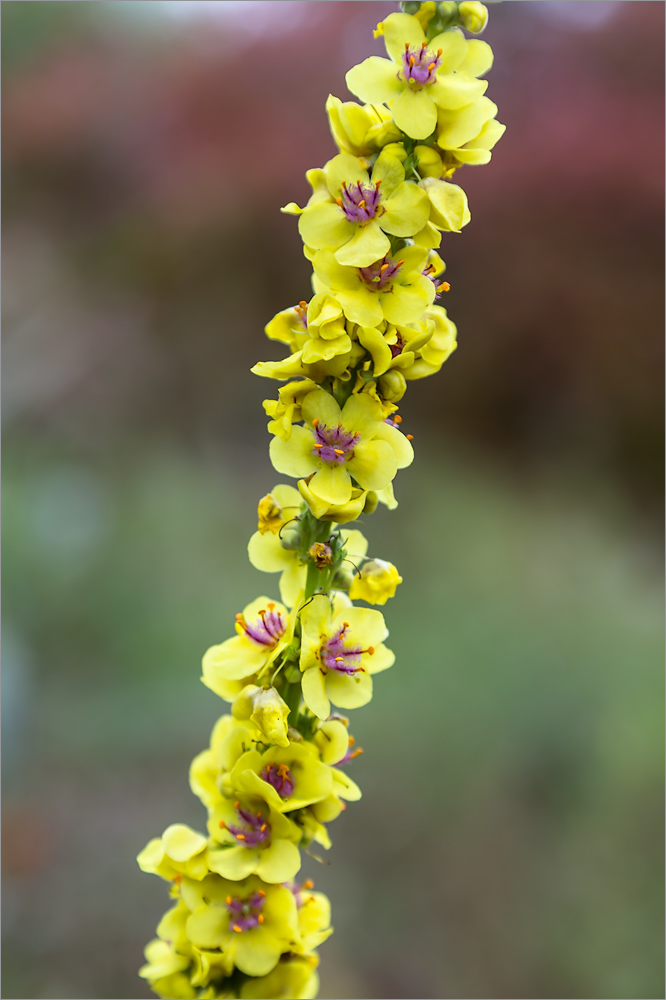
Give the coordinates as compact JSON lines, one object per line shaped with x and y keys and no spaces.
{"x":419,"y":77}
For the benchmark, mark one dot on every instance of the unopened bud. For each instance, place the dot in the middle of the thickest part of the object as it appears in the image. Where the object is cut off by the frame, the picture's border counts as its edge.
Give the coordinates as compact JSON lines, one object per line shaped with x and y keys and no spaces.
{"x":371,"y":502}
{"x":392,"y":386}
{"x":428,"y":161}
{"x":473,"y":15}
{"x":266,"y":709}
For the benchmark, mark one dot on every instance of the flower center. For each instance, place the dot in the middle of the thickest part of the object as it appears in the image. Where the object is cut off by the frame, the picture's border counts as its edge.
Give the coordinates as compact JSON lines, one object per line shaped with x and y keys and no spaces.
{"x":378,"y":275}
{"x":333,"y":444}
{"x":359,"y":202}
{"x":419,"y":66}
{"x":254,"y":829}
{"x":267,"y":629}
{"x":280,"y":778}
{"x":302,"y":313}
{"x":339,"y":655}
{"x":246,"y":913}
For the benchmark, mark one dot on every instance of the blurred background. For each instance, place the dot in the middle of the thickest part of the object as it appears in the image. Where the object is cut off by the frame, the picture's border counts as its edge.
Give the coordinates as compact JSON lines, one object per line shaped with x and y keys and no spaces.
{"x":509,"y":841}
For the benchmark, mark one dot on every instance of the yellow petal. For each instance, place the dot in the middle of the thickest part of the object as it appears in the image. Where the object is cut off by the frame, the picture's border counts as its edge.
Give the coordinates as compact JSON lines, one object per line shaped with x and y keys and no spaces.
{"x":314,"y":693}
{"x":415,"y":113}
{"x":373,"y":465}
{"x":367,"y":245}
{"x":294,"y":457}
{"x":374,"y":80}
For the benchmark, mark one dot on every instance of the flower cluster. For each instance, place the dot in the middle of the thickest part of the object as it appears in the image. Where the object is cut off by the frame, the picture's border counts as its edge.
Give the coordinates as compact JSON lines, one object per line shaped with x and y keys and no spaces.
{"x":273,"y":777}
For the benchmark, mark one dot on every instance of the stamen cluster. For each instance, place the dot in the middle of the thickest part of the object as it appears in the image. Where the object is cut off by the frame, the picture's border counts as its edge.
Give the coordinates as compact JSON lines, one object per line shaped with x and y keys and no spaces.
{"x":272,"y":778}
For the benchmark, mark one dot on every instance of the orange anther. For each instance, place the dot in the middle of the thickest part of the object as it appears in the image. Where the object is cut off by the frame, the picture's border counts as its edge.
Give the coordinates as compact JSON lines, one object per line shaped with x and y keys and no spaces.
{"x":271,"y":605}
{"x":410,"y":437}
{"x":315,"y":422}
{"x":261,"y":892}
{"x":339,"y":451}
{"x":303,"y":304}
{"x":239,"y":930}
{"x":308,"y":884}
{"x":370,"y":650}
{"x":439,"y":51}
{"x":261,"y":918}
{"x":397,"y":419}
{"x":361,"y":203}
{"x":228,"y":900}
{"x":345,"y":624}
{"x":339,"y":201}
{"x":263,"y":827}
{"x":236,"y":805}
{"x":431,"y":67}
{"x":351,"y":741}
{"x":221,"y":824}
{"x":241,"y":836}
{"x":411,"y":60}
{"x":383,"y":268}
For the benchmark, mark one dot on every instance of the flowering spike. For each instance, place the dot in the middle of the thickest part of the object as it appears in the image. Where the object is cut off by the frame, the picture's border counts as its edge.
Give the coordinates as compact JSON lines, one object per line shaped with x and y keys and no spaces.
{"x":272,"y":779}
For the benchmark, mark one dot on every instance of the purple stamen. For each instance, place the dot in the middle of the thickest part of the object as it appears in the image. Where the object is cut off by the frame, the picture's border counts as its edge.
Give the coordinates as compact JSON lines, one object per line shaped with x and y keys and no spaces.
{"x":378,"y":275}
{"x":255,"y":829}
{"x":279,"y":777}
{"x":419,"y":66}
{"x":333,"y":444}
{"x":360,"y":202}
{"x":246,"y":913}
{"x":336,"y":655}
{"x":267,"y":629}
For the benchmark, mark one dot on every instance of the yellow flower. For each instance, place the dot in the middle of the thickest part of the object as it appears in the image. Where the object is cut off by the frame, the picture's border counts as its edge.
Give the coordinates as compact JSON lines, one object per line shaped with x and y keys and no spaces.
{"x":294,"y":976}
{"x":179,"y":851}
{"x":286,"y":779}
{"x":448,"y":205}
{"x":439,"y":347}
{"x":392,"y":288}
{"x":314,"y":916}
{"x":286,"y":410}
{"x":360,"y":130}
{"x":251,"y":922}
{"x":468,"y":134}
{"x":376,"y":582}
{"x":419,"y":77}
{"x":337,"y":445}
{"x":341,"y":646}
{"x":362,"y":209}
{"x":289,"y":327}
{"x":255,"y":839}
{"x":339,"y":513}
{"x":264,"y":630}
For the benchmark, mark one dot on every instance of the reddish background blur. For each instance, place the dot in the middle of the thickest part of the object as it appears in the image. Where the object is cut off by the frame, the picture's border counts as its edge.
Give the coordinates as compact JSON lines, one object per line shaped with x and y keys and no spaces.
{"x":147,"y":148}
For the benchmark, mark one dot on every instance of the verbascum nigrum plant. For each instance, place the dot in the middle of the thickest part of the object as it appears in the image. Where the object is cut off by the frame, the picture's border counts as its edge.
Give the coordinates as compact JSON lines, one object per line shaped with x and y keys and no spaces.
{"x":274,"y":777}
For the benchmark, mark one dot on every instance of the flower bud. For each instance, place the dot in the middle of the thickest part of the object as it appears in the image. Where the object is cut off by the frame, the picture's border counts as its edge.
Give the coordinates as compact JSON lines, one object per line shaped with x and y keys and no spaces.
{"x":371,"y":502}
{"x":392,"y":385}
{"x":473,"y":15}
{"x":269,"y":714}
{"x":377,"y":582}
{"x":447,"y":10}
{"x":428,"y":162}
{"x":266,"y":709}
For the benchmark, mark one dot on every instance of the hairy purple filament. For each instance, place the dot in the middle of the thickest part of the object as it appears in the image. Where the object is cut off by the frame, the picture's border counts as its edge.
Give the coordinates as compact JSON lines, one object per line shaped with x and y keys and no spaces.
{"x":378,"y":275}
{"x":279,"y":777}
{"x":360,"y":202}
{"x":333,"y":444}
{"x":419,"y":66}
{"x":255,"y":829}
{"x":246,"y":913}
{"x":267,"y":629}
{"x":336,"y":655}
